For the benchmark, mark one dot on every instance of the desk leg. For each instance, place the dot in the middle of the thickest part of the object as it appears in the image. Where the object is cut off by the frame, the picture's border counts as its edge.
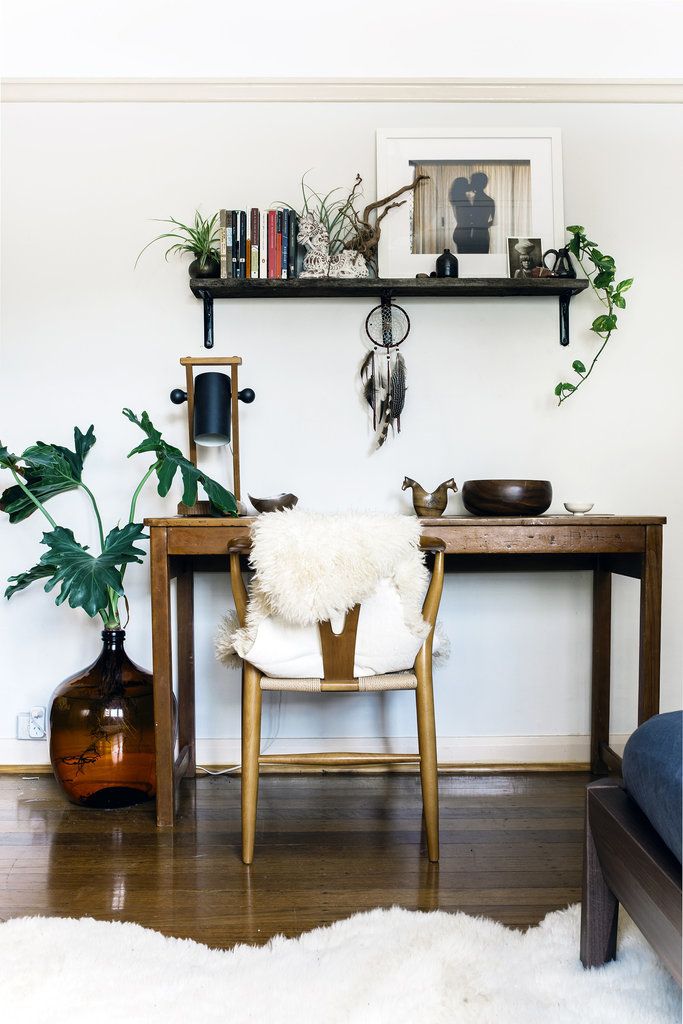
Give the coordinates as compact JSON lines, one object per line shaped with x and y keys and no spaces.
{"x":650,"y":625}
{"x":186,"y":721}
{"x":163,"y":675}
{"x":600,"y":689}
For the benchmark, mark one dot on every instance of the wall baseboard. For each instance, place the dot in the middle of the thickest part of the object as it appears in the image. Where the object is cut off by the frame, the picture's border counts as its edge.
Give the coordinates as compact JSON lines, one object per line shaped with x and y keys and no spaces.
{"x":455,"y":752}
{"x":339,"y":90}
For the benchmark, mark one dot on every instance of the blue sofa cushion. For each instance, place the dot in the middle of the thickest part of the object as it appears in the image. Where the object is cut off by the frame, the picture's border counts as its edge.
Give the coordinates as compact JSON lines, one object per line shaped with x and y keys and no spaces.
{"x":652,"y":770}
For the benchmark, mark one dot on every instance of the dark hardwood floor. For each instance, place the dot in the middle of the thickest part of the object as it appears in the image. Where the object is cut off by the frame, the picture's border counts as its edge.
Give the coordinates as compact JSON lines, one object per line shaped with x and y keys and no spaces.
{"x":327,"y":846}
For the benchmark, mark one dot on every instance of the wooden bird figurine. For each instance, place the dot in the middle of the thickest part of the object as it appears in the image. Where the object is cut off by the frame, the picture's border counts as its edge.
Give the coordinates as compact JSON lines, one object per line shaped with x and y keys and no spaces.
{"x":426,"y":503}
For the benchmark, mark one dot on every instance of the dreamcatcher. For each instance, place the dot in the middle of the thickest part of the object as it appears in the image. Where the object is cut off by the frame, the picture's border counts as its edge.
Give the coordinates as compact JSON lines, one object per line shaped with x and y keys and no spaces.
{"x":383,"y":371}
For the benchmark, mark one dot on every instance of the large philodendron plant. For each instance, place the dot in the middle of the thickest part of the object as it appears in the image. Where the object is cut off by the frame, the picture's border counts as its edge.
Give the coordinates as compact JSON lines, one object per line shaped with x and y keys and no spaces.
{"x":93,"y":582}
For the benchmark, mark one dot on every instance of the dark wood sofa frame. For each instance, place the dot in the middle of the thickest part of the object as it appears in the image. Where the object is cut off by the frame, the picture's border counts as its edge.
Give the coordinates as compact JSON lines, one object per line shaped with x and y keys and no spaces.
{"x":626,"y":862}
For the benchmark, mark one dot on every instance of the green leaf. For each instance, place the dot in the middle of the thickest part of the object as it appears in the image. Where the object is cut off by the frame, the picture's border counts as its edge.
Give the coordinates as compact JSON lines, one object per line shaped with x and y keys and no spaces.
{"x":576,"y":229}
{"x":24,"y":579}
{"x":619,"y":300}
{"x":7,"y":460}
{"x":558,"y":390}
{"x":603,"y":279}
{"x":85,"y":580}
{"x":603,"y":324}
{"x":574,"y":246}
{"x":48,"y":470}
{"x":170,"y":460}
{"x":578,"y":366}
{"x":624,"y":286}
{"x":564,"y":387}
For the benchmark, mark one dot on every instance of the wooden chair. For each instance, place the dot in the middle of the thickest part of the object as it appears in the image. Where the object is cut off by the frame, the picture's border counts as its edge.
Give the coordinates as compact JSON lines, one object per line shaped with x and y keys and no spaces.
{"x":338,"y":652}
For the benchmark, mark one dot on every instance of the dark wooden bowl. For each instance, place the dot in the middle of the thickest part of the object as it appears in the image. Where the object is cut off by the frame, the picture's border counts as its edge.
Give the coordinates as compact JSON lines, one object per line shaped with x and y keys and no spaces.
{"x":278,"y":503}
{"x":507,"y":497}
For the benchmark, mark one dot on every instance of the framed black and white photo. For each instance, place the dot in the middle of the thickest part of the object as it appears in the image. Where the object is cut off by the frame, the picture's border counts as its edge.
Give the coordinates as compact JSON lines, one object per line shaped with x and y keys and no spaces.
{"x":484,"y":185}
{"x":525,"y":257}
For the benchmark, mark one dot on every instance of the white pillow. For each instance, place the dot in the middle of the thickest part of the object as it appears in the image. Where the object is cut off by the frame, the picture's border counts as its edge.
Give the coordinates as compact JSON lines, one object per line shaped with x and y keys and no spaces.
{"x":383,"y":641}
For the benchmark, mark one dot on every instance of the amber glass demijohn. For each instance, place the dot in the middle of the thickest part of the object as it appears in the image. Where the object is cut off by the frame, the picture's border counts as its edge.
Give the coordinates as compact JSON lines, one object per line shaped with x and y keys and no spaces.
{"x":102,"y":730}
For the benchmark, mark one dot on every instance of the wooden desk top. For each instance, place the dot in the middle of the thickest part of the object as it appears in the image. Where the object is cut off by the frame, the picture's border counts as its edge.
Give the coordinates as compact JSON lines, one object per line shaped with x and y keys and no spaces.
{"x":450,"y":521}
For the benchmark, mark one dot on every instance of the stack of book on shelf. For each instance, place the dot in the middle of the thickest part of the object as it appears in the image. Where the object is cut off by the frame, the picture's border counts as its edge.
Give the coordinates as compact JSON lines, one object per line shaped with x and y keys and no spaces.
{"x":258,"y":243}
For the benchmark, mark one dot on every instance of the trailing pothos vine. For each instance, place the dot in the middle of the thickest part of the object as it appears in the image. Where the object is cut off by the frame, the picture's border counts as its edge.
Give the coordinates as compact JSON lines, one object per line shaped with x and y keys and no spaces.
{"x":601,"y":277}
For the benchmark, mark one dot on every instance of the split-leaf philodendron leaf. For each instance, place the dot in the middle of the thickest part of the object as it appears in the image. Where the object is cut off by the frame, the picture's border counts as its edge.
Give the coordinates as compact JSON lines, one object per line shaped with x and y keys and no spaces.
{"x":84,"y":579}
{"x":170,"y":460}
{"x":47,"y":470}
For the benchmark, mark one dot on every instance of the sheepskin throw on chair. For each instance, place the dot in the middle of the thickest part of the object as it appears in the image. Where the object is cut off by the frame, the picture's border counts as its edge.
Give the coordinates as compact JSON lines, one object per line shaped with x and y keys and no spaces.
{"x":314,"y":567}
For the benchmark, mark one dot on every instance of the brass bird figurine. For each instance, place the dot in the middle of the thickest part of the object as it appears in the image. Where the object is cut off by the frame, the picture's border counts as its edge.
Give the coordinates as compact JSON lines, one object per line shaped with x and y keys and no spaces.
{"x":429,"y":503}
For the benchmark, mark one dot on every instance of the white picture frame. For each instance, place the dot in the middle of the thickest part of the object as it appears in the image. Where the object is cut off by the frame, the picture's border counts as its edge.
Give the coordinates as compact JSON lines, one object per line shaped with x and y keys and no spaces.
{"x":536,"y":151}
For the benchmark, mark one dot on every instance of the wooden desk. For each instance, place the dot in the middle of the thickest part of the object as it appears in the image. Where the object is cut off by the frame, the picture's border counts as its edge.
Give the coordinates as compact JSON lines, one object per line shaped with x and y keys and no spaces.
{"x":627,"y":546}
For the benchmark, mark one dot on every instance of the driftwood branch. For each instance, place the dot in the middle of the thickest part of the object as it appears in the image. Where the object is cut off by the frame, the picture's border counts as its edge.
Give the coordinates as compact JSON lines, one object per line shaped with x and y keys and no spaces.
{"x":394,"y":195}
{"x":366,"y":234}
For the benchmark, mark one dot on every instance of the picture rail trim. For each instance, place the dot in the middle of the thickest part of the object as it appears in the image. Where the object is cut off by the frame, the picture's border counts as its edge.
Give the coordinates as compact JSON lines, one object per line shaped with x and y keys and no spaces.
{"x":340,"y":90}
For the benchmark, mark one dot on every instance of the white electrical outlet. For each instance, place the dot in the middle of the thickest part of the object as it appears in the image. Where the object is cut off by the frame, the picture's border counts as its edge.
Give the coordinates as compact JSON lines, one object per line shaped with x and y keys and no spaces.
{"x":31,"y":724}
{"x":36,"y":723}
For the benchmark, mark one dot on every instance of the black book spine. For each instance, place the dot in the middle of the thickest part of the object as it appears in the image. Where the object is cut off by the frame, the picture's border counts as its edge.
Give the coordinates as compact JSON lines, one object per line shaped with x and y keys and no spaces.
{"x":293,"y":229}
{"x":243,"y":243}
{"x":234,"y":259}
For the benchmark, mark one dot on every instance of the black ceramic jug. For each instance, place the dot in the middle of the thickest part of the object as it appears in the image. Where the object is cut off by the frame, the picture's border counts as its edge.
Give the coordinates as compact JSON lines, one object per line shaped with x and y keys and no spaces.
{"x":447,"y":264}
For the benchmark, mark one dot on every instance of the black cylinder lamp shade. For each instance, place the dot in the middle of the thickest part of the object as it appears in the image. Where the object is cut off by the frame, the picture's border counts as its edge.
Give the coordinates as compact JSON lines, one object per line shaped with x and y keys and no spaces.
{"x":212,"y":409}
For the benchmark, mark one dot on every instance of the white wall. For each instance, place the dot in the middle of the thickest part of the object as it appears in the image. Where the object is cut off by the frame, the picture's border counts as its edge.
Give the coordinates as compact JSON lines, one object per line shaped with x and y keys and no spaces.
{"x":84,"y":335}
{"x":452,"y":38}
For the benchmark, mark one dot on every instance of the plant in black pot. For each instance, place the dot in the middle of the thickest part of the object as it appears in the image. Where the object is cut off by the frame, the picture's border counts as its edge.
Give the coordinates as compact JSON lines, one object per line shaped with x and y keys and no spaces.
{"x":101,"y":718}
{"x":199,"y":240}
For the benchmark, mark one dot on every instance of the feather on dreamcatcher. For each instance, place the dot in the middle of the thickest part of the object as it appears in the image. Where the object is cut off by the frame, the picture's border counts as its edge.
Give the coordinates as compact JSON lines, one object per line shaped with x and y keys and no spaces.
{"x":383,"y":371}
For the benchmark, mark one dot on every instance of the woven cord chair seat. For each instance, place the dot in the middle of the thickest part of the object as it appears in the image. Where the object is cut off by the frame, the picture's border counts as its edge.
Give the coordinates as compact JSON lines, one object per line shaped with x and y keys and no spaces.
{"x":366,"y":684}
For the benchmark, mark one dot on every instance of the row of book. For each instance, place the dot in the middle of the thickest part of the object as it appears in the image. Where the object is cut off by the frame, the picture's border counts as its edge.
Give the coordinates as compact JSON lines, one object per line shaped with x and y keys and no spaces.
{"x":258,"y":243}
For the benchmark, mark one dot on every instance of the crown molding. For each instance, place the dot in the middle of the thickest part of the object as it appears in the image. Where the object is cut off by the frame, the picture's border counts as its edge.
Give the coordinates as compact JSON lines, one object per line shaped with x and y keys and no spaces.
{"x":339,"y":90}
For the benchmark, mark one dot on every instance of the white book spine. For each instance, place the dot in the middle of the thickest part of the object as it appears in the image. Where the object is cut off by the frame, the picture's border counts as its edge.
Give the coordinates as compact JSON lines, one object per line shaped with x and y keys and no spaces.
{"x":263,"y":245}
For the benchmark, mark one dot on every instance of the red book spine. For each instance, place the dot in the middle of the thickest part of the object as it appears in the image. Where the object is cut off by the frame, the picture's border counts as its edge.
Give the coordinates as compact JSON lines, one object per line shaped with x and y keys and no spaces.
{"x":272,"y":244}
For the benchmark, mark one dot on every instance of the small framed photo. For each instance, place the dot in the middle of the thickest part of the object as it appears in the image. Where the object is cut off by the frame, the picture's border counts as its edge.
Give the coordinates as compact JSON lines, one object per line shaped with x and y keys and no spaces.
{"x":525,"y":257}
{"x":479,"y":187}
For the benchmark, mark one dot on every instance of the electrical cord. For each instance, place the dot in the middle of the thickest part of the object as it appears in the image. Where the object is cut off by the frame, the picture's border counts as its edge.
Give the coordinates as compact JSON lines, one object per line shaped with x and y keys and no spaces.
{"x":268,"y":744}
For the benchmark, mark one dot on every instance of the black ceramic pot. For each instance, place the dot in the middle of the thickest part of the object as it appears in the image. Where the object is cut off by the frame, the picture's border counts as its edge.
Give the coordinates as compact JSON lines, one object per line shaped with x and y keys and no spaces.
{"x":210,"y":267}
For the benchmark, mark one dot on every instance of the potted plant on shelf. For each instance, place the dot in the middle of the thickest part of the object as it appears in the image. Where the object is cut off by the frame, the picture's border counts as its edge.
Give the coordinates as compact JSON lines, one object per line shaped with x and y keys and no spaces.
{"x":199,"y":239}
{"x":101,"y":718}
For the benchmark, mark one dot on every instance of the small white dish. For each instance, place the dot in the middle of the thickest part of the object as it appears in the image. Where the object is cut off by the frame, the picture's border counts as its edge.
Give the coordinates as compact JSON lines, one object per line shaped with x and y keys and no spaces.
{"x":578,"y":508}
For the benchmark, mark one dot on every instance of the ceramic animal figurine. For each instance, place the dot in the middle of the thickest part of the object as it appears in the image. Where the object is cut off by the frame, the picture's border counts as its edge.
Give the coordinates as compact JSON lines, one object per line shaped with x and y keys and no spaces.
{"x":318,"y":262}
{"x":426,"y":503}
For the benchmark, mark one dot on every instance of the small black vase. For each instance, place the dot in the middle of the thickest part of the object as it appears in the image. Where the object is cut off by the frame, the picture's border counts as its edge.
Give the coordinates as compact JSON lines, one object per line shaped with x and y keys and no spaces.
{"x":207,"y":267}
{"x":447,"y":264}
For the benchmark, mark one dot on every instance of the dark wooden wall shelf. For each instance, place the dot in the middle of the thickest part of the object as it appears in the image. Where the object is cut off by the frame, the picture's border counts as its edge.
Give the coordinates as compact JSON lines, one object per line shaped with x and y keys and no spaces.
{"x":385,"y":288}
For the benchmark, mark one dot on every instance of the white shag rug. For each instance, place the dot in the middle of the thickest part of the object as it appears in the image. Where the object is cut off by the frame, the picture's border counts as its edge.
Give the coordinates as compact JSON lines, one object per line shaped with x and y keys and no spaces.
{"x":384,"y":967}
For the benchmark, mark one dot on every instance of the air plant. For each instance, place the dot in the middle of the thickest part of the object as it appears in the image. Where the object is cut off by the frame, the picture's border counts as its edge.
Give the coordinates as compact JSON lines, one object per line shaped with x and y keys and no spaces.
{"x":199,"y":239}
{"x":345,"y":226}
{"x":335,"y":215}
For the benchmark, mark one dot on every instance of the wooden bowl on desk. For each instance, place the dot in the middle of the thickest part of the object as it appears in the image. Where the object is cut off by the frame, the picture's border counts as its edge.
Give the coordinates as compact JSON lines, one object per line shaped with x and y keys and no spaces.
{"x":507,"y":497}
{"x":278,"y":503}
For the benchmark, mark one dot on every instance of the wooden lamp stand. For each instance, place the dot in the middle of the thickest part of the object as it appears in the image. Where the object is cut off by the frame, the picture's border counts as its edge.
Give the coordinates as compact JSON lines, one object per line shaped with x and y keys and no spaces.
{"x":203,"y":508}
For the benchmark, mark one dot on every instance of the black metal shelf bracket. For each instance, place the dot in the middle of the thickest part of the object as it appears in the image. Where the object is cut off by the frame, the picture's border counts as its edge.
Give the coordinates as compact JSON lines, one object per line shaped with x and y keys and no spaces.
{"x":564,"y":318}
{"x":207,"y":299}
